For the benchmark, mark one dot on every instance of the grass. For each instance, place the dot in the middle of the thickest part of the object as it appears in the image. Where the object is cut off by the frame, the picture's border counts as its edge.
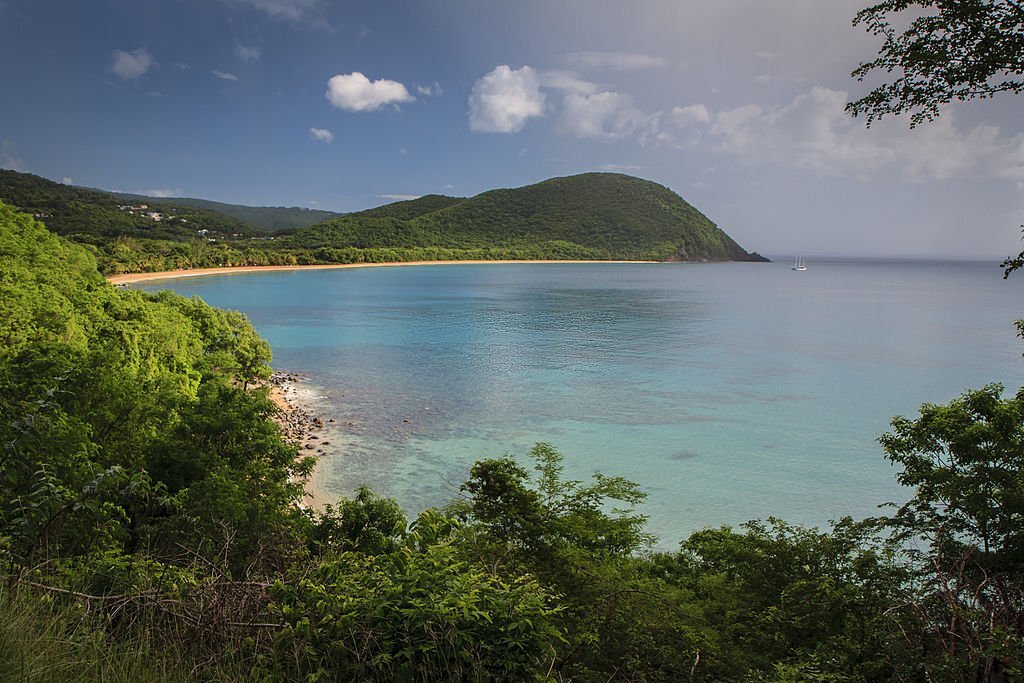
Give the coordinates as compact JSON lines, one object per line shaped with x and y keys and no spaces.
{"x":42,"y":640}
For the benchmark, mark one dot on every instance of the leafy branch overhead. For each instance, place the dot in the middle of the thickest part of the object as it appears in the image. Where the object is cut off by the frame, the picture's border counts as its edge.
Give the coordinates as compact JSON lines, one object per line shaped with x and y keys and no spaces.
{"x":951,"y":50}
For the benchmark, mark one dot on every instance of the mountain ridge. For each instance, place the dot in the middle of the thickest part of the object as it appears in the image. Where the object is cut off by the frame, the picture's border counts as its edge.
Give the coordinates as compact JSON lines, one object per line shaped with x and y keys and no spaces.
{"x":607,"y":215}
{"x":589,"y":216}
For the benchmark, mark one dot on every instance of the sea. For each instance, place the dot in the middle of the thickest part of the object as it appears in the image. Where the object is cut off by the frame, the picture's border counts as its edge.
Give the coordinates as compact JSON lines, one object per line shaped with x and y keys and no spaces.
{"x":728,"y":392}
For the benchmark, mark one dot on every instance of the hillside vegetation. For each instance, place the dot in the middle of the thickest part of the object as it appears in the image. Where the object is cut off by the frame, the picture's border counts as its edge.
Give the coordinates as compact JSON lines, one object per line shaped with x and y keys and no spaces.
{"x":601,"y":216}
{"x":264,"y":219}
{"x":96,"y":217}
{"x":595,"y":215}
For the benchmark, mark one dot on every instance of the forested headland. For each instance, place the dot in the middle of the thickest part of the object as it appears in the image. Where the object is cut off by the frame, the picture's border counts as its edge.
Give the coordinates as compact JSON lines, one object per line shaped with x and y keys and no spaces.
{"x":593,"y":216}
{"x":150,"y":529}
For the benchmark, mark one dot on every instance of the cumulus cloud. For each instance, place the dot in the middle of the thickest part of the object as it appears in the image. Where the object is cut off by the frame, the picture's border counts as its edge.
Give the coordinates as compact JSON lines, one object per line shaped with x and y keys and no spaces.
{"x":161,"y":192}
{"x":400,"y":197}
{"x":504,"y":100}
{"x":434,"y":90}
{"x":606,"y":115}
{"x":355,"y":92}
{"x":131,"y":65}
{"x":224,"y":75}
{"x":567,"y":81}
{"x":621,"y":61}
{"x":67,"y":180}
{"x":247,"y":54}
{"x":691,"y":115}
{"x":290,"y":10}
{"x":8,"y":161}
{"x":621,"y":168}
{"x":813,"y":132}
{"x":321,"y":134}
{"x":941,"y":150}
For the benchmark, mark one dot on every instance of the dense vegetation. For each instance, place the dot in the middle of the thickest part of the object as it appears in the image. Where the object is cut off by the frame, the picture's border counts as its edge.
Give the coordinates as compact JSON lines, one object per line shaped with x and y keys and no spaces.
{"x":596,"y":215}
{"x":96,"y":217}
{"x":592,"y":216}
{"x":150,"y":530}
{"x":259,"y":218}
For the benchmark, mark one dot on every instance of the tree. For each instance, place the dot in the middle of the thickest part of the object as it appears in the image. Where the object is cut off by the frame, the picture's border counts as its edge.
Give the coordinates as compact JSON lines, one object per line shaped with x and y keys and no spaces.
{"x":965,"y":461}
{"x":954,"y":50}
{"x":414,"y":612}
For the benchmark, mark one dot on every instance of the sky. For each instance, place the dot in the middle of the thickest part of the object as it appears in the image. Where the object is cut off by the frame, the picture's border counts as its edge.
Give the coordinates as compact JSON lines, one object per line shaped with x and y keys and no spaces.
{"x":736,"y":105}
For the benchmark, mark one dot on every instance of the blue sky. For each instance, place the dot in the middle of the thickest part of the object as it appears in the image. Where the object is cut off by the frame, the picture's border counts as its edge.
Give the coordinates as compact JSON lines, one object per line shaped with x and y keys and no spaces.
{"x":736,"y":105}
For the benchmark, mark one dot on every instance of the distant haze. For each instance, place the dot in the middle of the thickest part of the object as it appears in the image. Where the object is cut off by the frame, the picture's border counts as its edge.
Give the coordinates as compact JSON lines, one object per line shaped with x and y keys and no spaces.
{"x":736,"y":105}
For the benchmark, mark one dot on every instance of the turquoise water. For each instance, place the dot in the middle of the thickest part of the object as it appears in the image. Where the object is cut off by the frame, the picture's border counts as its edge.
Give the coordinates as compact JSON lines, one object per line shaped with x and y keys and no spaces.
{"x":727,"y":391}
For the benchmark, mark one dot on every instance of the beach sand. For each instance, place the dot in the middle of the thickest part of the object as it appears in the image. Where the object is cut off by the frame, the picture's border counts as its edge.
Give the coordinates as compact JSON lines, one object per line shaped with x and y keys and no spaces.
{"x":127,"y":278}
{"x":301,"y":426}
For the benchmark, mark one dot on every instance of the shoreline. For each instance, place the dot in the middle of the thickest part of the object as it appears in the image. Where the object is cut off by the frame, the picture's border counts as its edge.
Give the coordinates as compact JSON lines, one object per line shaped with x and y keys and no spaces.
{"x":129,"y":278}
{"x":301,"y":427}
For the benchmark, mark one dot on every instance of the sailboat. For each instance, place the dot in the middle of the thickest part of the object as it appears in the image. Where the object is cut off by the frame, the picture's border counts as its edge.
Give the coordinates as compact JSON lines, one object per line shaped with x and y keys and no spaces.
{"x":799,"y":264}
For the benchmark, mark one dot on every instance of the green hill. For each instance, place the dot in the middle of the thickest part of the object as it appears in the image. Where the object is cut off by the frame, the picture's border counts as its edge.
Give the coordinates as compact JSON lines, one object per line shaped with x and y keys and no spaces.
{"x":95,"y":217}
{"x":258,"y":218}
{"x":593,"y":215}
{"x":601,"y":216}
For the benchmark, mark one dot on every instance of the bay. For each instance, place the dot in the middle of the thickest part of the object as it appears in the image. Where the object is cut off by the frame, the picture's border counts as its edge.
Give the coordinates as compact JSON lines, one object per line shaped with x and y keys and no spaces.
{"x":727,"y":391}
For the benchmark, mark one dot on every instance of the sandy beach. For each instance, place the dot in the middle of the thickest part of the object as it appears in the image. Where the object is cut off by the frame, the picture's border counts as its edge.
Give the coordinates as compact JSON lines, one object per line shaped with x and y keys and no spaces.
{"x":301,"y":426}
{"x":127,"y":278}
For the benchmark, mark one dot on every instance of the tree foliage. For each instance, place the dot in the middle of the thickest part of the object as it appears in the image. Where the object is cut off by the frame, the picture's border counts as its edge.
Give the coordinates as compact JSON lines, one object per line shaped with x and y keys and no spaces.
{"x":949,"y":50}
{"x":965,"y":461}
{"x":595,"y":216}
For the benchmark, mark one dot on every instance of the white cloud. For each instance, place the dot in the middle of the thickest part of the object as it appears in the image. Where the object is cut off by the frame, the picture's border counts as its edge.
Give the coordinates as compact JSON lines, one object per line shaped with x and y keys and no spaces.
{"x":763,"y":79}
{"x":67,"y":180}
{"x":1011,"y":165}
{"x":403,"y":151}
{"x":567,"y":81}
{"x":247,"y":54}
{"x":161,"y":192}
{"x":224,"y":75}
{"x":400,"y":197}
{"x":940,"y":150}
{"x":434,"y":90}
{"x":321,"y":134}
{"x":8,"y":161}
{"x":813,"y":132}
{"x":504,"y":100}
{"x":131,"y":65}
{"x":621,"y":168}
{"x":355,"y":92}
{"x":622,"y":61}
{"x":606,"y":115}
{"x":691,"y":115}
{"x":291,"y":10}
